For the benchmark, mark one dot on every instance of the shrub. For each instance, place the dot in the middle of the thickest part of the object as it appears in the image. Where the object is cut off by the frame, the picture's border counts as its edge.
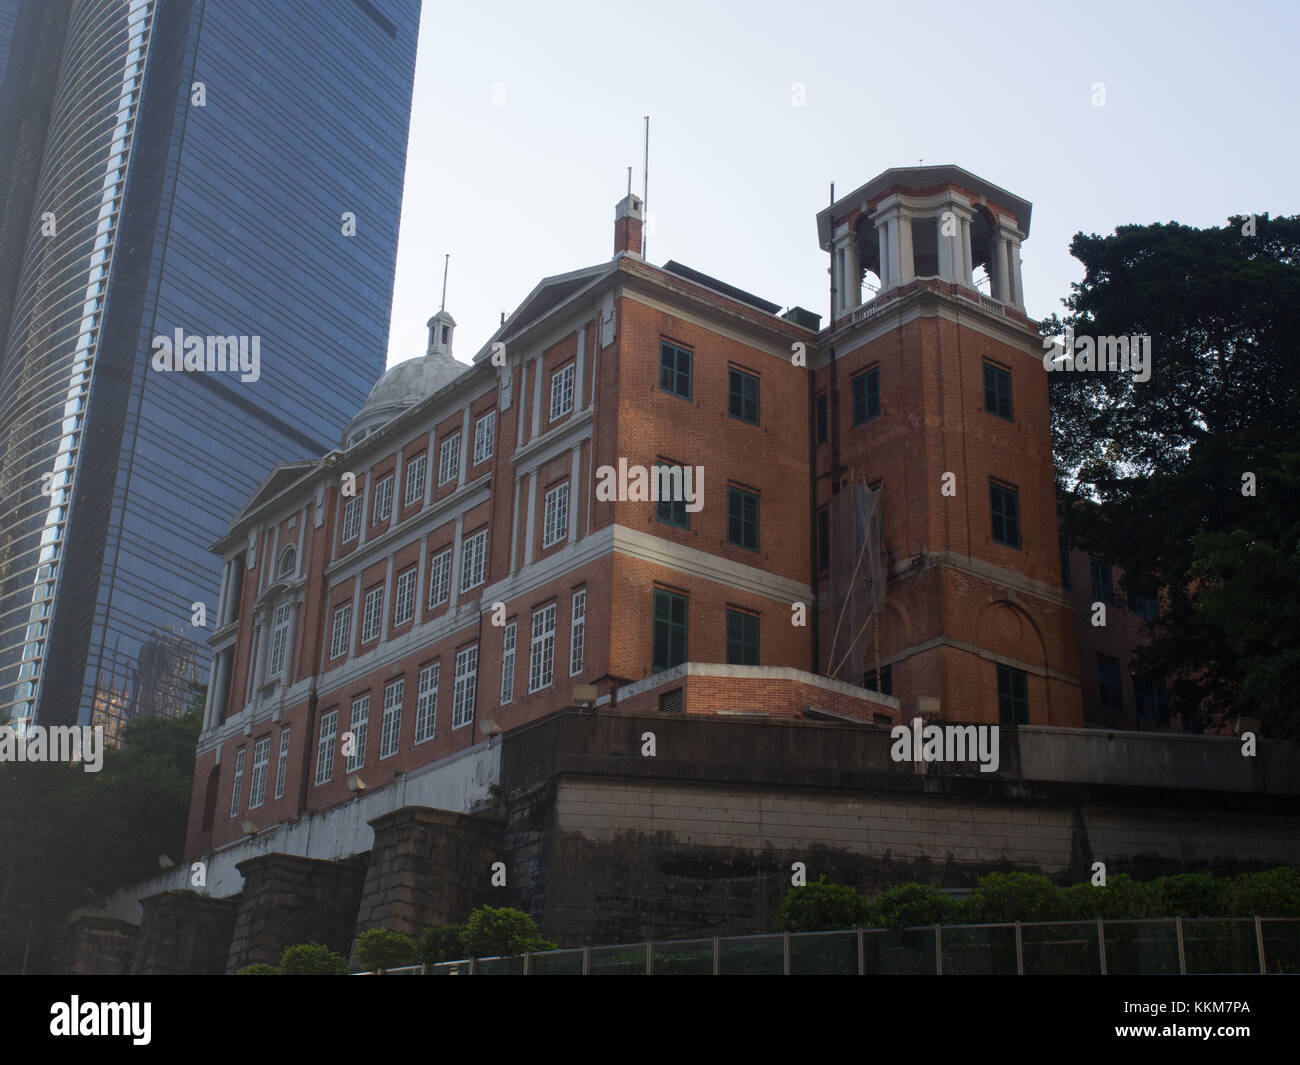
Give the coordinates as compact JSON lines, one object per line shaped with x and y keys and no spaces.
{"x":312,"y":959}
{"x":382,"y":948}
{"x":1189,"y":895}
{"x":501,"y":932}
{"x":260,"y":968}
{"x":911,"y":904}
{"x":1122,"y":897}
{"x":1013,"y":897}
{"x":442,"y":943}
{"x":1273,"y":893}
{"x":822,"y":907}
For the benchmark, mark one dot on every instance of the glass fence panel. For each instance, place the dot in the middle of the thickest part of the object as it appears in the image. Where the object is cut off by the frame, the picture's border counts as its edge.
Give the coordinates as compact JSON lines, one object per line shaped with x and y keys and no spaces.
{"x":1139,"y":947}
{"x":753,"y":956}
{"x":625,"y":960}
{"x":1281,"y":944}
{"x":905,"y":952}
{"x":501,"y":966}
{"x":1220,"y":946}
{"x":979,"y":950}
{"x":824,"y":954}
{"x":558,"y":963}
{"x":684,"y":957}
{"x":1069,"y":948}
{"x":450,"y":968}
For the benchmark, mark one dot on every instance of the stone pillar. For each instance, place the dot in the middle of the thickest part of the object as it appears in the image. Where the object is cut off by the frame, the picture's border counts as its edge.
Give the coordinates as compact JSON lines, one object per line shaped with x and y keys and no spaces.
{"x":429,"y":867}
{"x":289,"y":900}
{"x":95,"y":946}
{"x":183,"y":933}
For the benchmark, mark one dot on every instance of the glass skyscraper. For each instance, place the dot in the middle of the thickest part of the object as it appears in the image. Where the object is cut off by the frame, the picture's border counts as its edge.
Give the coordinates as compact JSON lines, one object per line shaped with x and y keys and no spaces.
{"x":199,"y":204}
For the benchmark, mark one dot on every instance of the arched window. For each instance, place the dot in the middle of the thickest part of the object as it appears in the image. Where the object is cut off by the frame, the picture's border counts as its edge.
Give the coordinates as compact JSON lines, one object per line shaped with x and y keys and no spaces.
{"x":288,"y":562}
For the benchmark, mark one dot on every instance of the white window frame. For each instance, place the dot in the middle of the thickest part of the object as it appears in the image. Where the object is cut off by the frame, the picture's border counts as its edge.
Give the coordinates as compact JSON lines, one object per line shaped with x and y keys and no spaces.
{"x":473,"y":560}
{"x":278,"y":659}
{"x":578,"y":632}
{"x":440,"y":577}
{"x":351,"y":518}
{"x":282,"y":763}
{"x":541,"y":649}
{"x":329,"y":724}
{"x":359,"y":726}
{"x":404,"y":596}
{"x":390,"y":730}
{"x":341,"y":634}
{"x":372,"y":616}
{"x":485,"y":431}
{"x":462,"y":700}
{"x":562,"y":391}
{"x":508,"y":663}
{"x":414,"y":480}
{"x":555,"y":525}
{"x":426,"y":702}
{"x":261,"y":759}
{"x":449,"y":459}
{"x":384,"y":496}
{"x":238,"y":784}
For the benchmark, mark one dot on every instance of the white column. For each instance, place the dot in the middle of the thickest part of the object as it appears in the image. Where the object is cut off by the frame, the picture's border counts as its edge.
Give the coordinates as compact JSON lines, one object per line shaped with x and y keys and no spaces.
{"x":852,"y":273}
{"x":537,"y":396}
{"x":466,"y":445}
{"x":430,"y":467}
{"x":1001,"y":273}
{"x":906,"y":261}
{"x":968,"y":261}
{"x":457,"y":560}
{"x":531,"y":490}
{"x":514,"y":533}
{"x":365,"y":511}
{"x":573,"y":494}
{"x":387,"y":601}
{"x":578,"y":405}
{"x":1013,"y":273}
{"x":945,"y":246}
{"x":886,"y":251}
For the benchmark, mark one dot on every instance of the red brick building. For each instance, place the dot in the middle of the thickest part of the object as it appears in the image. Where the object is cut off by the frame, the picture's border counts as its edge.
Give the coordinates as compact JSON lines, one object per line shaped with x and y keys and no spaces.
{"x":491,"y":537}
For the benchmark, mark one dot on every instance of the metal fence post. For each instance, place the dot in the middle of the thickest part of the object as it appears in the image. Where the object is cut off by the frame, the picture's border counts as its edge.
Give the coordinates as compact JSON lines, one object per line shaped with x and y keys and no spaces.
{"x":862,"y":953}
{"x":1020,"y":952}
{"x":1259,"y":945}
{"x":649,"y":957}
{"x":938,"y":950}
{"x":717,"y":956}
{"x":424,"y":968}
{"x":1101,"y":945}
{"x":586,"y":961}
{"x":1182,"y":952}
{"x":786,"y":952}
{"x":528,"y":963}
{"x":473,"y":966}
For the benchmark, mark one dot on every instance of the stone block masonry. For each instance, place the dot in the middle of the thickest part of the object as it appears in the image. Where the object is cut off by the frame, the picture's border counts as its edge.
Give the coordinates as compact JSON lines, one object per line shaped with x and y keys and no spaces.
{"x":183,"y":933}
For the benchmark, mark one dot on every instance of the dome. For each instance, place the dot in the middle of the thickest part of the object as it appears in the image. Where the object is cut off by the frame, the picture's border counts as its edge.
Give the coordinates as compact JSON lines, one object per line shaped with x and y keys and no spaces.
{"x":401,"y":387}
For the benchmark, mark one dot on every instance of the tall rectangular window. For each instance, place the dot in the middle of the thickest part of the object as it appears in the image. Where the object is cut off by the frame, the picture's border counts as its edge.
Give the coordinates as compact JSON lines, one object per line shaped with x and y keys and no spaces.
{"x":997,"y":391}
{"x":426,"y":702}
{"x":555,"y":526}
{"x":578,"y":632}
{"x":675,"y":370}
{"x":373,"y":615}
{"x":821,"y":416}
{"x":282,"y":763}
{"x":1103,"y":587}
{"x":414,"y":480}
{"x":325,"y":747}
{"x":390,"y":728}
{"x":405,"y":596}
{"x":279,"y":639}
{"x":1013,"y":696}
{"x":884,"y":683}
{"x":341,"y":632}
{"x":562,"y":392}
{"x":462,"y":700}
{"x":1004,"y":505}
{"x":261,"y":760}
{"x":485,"y":431}
{"x":1149,"y":696}
{"x":473,"y":560}
{"x":742,"y":518}
{"x":238,"y":785}
{"x":669,"y":630}
{"x":1065,"y":568}
{"x":670,"y":508}
{"x":866,"y":396}
{"x":1108,"y":683}
{"x":541,"y":652}
{"x":508,"y":664}
{"x":449,"y":459}
{"x":351,"y":518}
{"x":440,"y":577}
{"x":742,"y":395}
{"x":742,"y":639}
{"x":359,"y":726}
{"x":383,"y":500}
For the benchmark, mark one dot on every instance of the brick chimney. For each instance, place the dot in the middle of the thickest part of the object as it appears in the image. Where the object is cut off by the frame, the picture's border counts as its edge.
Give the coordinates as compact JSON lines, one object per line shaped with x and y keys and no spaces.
{"x":629,"y":216}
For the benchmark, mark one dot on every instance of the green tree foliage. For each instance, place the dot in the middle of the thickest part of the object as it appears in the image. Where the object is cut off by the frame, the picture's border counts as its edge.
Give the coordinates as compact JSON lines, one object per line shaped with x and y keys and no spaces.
{"x":1273,"y":893}
{"x":441,"y":943}
{"x":312,"y":959}
{"x":501,"y":932}
{"x":382,"y":948}
{"x":1013,"y":897}
{"x":912,"y":904}
{"x":260,"y":968}
{"x":1166,"y":457}
{"x":819,"y":907}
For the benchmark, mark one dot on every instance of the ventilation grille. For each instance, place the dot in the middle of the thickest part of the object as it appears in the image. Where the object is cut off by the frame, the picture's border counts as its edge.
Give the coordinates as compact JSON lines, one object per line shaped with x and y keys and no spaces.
{"x":671,"y":702}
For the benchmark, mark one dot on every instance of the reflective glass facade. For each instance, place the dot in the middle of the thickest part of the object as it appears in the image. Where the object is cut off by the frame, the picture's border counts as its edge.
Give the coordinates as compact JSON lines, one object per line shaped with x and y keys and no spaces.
{"x":230,"y":174}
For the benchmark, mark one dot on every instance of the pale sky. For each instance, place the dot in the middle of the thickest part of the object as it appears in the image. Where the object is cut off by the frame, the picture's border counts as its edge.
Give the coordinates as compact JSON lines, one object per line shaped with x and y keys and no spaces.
{"x":526,"y":116}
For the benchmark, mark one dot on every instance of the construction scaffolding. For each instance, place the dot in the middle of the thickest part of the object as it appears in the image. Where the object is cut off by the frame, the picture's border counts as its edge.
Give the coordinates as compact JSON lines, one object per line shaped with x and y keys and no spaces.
{"x":857,"y":579}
